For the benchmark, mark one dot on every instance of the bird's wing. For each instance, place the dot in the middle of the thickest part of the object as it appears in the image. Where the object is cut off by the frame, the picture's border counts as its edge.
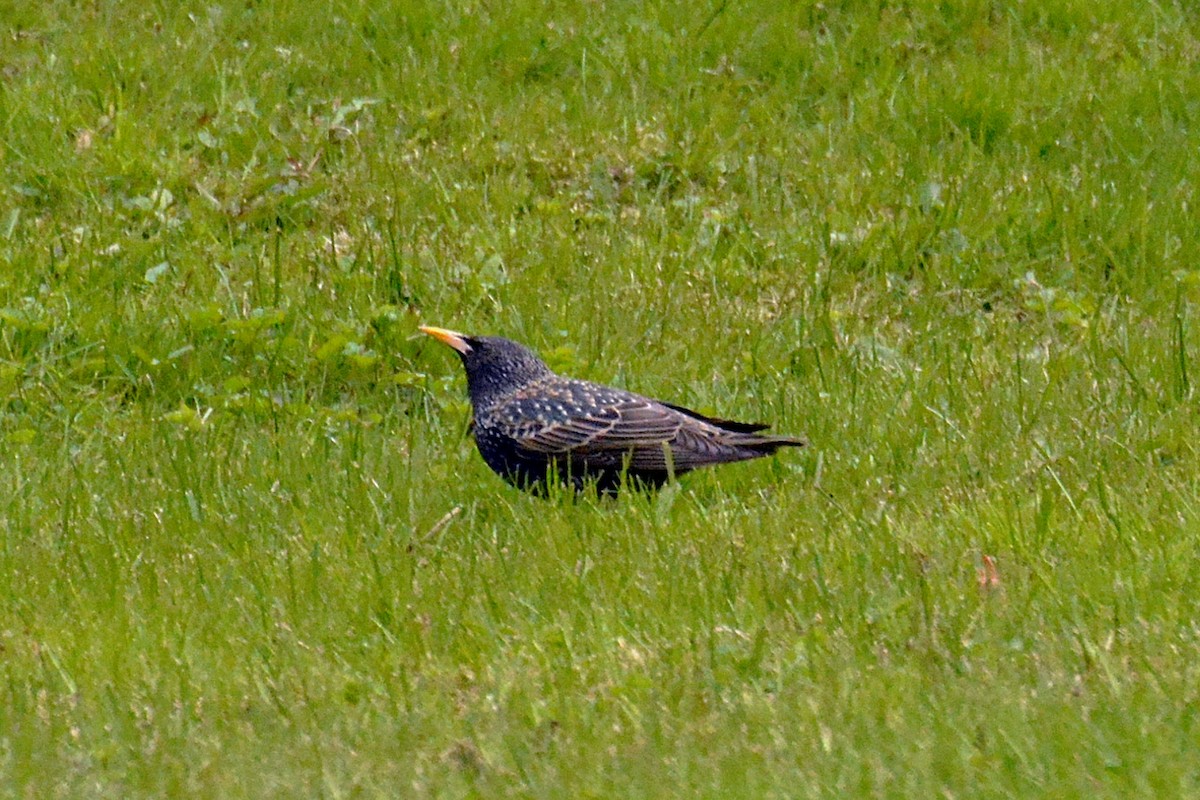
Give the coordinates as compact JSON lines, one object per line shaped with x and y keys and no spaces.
{"x":629,"y":424}
{"x":635,"y":433}
{"x":597,"y":426}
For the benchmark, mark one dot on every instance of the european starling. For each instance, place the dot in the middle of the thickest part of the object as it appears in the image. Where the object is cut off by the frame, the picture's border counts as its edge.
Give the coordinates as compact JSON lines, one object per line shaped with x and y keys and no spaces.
{"x":532,"y":425}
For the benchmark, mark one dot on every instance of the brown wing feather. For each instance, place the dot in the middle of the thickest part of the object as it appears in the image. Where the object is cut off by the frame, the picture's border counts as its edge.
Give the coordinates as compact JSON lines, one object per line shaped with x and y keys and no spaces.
{"x":643,"y":435}
{"x":628,"y":425}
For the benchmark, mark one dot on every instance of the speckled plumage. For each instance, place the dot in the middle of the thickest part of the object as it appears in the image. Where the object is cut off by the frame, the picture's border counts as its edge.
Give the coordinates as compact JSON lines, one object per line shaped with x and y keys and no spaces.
{"x":531,"y":424}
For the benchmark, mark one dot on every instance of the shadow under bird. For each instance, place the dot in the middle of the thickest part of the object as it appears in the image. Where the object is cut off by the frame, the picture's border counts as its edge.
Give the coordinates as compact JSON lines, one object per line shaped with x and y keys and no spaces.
{"x":532,"y":425}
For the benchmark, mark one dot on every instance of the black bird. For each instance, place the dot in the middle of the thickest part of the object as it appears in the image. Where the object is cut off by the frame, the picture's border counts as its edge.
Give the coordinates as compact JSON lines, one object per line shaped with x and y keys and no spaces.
{"x":532,"y":425}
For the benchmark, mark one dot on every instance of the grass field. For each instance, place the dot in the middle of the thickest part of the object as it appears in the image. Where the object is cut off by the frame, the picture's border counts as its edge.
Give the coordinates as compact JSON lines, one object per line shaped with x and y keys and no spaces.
{"x":247,"y":548}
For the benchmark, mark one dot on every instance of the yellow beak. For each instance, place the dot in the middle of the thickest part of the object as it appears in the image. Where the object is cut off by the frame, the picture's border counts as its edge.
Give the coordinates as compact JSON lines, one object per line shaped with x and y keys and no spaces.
{"x":451,"y":338}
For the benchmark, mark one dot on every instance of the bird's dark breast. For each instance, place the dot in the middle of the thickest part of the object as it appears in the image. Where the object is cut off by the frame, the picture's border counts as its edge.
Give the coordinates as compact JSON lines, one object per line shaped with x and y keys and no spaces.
{"x":501,"y":453}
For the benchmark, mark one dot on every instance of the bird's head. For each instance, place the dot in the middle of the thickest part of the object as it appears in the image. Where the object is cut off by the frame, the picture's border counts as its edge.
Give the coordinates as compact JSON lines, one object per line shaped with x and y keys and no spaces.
{"x":494,"y":366}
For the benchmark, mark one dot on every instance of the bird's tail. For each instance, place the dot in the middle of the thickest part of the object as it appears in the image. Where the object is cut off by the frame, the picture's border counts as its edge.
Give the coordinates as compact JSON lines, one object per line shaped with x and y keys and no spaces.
{"x":752,"y":430}
{"x":768,"y":443}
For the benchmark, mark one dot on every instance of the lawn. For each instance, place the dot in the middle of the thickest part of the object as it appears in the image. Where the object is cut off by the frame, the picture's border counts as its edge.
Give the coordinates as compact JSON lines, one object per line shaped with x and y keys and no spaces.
{"x":247,"y":549}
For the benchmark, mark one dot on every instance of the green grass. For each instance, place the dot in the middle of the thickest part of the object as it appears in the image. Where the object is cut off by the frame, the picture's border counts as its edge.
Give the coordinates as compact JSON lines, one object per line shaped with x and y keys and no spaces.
{"x":247,"y":548}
